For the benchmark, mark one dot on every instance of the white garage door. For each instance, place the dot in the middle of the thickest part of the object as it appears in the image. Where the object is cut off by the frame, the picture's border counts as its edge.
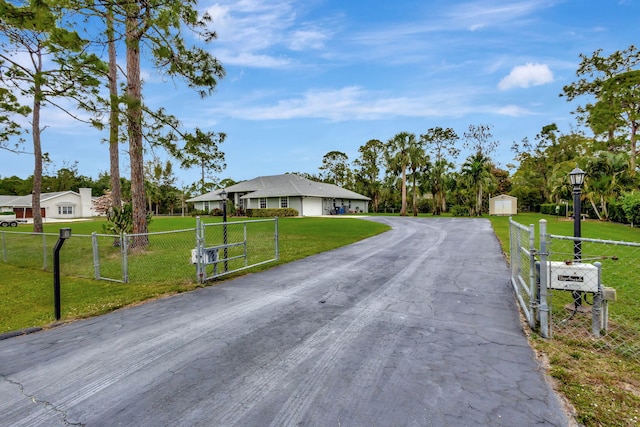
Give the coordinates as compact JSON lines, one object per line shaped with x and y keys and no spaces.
{"x":311,"y":206}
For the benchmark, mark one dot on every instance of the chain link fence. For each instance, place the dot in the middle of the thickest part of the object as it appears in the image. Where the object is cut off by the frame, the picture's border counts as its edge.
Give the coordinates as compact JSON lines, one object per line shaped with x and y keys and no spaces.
{"x":522,"y":248}
{"x":581,"y":290}
{"x":610,"y":291}
{"x":169,"y":256}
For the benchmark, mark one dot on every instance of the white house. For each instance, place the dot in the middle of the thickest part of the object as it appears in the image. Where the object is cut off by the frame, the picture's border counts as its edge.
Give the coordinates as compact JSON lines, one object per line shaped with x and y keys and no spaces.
{"x":309,"y":198}
{"x":58,"y":205}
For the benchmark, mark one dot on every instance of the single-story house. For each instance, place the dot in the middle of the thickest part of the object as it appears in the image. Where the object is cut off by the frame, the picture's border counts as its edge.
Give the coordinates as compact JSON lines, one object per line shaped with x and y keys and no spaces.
{"x":503,"y":205}
{"x":309,"y":198}
{"x":58,"y":205}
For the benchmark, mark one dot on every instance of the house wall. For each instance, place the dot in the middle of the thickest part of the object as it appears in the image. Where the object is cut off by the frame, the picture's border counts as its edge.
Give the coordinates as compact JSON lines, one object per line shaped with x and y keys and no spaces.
{"x":70,"y":205}
{"x":297,"y":204}
{"x":306,"y":206}
{"x":65,"y":206}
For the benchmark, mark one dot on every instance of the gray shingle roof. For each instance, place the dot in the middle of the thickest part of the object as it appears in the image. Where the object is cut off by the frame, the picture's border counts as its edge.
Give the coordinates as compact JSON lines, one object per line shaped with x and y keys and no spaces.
{"x":282,"y":186}
{"x":25,"y":201}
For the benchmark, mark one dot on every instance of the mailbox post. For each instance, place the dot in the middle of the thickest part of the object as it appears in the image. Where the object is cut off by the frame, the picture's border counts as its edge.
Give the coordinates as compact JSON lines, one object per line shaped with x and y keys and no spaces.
{"x":65,"y":233}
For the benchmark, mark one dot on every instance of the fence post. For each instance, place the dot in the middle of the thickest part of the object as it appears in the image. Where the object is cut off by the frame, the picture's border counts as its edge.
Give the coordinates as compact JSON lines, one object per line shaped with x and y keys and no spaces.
{"x":125,"y":262}
{"x":44,"y":251}
{"x":96,"y":256}
{"x":514,"y":255}
{"x":246,"y":255}
{"x":276,"y":238}
{"x":199,"y":254}
{"x":596,"y":310}
{"x":533,"y":291}
{"x":545,"y":329}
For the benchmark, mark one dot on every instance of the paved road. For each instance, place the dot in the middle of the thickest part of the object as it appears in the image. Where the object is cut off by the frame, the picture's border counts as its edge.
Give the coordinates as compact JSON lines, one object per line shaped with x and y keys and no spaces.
{"x":414,"y":327}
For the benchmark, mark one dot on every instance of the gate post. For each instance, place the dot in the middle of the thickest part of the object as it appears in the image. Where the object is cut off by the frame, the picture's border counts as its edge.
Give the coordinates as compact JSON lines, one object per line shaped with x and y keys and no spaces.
{"x":533,"y":293}
{"x":199,"y":254}
{"x":96,"y":256}
{"x":596,"y":310}
{"x":545,"y":329}
{"x":276,"y":239}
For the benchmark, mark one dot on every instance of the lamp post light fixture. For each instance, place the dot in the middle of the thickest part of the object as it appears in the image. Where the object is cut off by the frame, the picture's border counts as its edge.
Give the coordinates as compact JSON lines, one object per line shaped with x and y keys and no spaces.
{"x":223,"y":196}
{"x":576,"y":177}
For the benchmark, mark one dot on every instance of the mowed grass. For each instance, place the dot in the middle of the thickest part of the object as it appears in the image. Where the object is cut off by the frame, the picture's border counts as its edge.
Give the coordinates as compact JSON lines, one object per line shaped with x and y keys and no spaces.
{"x":603,"y":386}
{"x":601,"y":383}
{"x":26,"y":293}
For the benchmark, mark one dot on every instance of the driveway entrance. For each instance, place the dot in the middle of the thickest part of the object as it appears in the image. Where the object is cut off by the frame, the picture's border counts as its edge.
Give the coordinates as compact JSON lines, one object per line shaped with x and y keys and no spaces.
{"x":414,"y":327}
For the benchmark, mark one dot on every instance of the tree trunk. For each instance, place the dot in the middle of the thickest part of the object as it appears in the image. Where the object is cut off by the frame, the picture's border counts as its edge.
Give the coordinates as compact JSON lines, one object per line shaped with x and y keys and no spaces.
{"x":415,"y":200}
{"x":403,"y":207}
{"x":37,"y":155}
{"x":114,"y":118}
{"x":595,"y":208}
{"x":134,"y":119}
{"x":632,"y":142}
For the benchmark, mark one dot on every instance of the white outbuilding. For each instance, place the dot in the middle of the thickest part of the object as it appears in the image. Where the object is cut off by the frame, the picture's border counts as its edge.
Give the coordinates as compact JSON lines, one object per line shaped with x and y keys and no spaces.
{"x":503,"y":205}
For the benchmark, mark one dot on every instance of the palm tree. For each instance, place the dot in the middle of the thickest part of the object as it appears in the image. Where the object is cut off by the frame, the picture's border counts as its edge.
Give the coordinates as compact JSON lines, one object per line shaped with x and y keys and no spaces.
{"x":476,"y":169}
{"x":417,"y":166}
{"x":398,"y":157}
{"x":607,"y":176}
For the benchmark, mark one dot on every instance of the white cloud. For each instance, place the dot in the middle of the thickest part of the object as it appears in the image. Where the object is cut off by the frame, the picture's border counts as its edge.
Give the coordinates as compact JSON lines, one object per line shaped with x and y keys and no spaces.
{"x":350,"y":103}
{"x":513,"y":111}
{"x":249,"y":59}
{"x":527,"y":75}
{"x":304,"y":39}
{"x":256,"y":33}
{"x":479,"y":14}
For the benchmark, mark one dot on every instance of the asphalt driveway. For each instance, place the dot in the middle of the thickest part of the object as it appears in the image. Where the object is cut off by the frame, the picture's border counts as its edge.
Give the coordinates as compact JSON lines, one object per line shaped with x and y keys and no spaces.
{"x":414,"y":327}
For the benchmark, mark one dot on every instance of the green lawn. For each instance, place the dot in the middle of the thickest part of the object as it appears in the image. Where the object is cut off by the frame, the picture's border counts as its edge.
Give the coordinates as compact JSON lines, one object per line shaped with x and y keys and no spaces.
{"x":26,"y":292}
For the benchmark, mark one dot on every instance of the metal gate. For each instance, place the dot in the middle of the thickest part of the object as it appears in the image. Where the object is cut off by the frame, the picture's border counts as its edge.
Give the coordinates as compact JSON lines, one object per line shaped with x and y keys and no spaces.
{"x":228,"y":247}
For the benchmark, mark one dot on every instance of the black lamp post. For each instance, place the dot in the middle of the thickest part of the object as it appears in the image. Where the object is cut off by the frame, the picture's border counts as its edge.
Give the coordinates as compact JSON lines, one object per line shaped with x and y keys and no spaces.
{"x":223,"y":196}
{"x":577,"y":179}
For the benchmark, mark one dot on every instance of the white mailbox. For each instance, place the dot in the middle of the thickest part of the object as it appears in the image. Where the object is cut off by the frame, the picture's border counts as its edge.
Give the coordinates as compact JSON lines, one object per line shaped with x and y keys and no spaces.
{"x":573,"y":277}
{"x":209,"y":255}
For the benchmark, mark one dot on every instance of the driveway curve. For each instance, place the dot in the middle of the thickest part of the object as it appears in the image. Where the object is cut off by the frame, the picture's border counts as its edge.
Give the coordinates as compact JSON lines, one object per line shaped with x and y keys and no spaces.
{"x":417,"y":326}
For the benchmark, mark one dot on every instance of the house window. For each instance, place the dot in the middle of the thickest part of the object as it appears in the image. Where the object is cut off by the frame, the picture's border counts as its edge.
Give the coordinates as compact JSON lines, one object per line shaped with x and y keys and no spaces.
{"x":205,"y":206}
{"x":263,"y":203}
{"x":65,"y":210}
{"x":284,"y":202}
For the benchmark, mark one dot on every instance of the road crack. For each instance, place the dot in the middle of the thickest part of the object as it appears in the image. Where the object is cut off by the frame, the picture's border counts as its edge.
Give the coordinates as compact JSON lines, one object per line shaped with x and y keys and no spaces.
{"x":44,"y":403}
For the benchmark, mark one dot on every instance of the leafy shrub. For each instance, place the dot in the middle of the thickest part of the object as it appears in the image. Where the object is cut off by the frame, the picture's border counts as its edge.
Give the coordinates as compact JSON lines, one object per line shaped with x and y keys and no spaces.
{"x":616,"y":212}
{"x":458,"y":210}
{"x":631,"y":207}
{"x":550,"y":209}
{"x":270,"y":213}
{"x":120,"y":220}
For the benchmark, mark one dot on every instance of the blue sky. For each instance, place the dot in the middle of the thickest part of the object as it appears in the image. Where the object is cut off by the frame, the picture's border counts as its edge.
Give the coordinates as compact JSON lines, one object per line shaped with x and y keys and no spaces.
{"x":306,"y":77}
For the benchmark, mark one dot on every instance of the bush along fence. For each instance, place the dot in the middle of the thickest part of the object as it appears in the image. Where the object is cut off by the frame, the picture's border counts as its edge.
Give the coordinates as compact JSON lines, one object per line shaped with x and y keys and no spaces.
{"x":202,"y":253}
{"x":577,"y":289}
